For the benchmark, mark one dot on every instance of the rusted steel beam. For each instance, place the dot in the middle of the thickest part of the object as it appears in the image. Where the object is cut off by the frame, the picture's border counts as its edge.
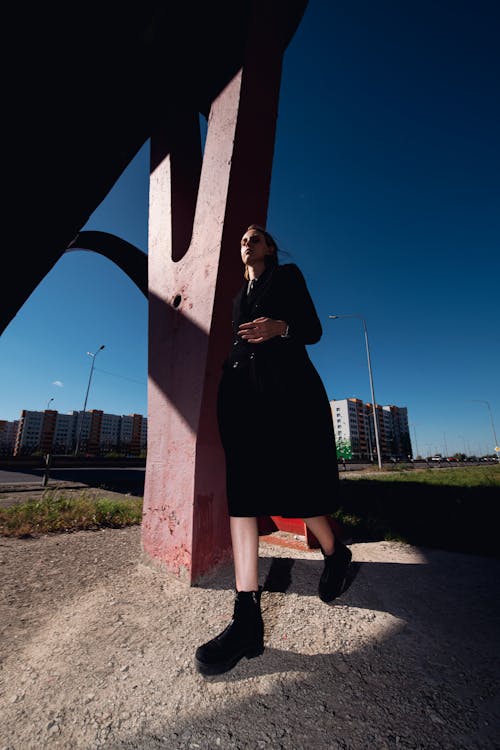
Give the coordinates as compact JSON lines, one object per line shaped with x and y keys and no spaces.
{"x":185,"y":523}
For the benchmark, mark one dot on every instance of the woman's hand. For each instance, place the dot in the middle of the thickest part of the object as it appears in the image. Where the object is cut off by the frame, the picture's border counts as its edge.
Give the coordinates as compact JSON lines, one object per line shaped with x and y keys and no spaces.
{"x":261,"y":329}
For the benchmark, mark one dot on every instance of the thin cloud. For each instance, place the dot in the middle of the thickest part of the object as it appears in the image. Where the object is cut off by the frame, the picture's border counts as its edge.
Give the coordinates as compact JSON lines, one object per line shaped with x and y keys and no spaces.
{"x":58,"y":383}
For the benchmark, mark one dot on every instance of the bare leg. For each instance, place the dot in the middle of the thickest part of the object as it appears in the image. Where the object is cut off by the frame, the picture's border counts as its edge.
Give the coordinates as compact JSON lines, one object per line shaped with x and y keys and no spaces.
{"x":244,"y":636}
{"x":245,"y":542}
{"x":322,"y":530}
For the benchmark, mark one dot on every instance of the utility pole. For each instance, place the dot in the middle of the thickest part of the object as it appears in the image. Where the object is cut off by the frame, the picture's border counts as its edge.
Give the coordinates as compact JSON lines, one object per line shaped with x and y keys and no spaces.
{"x":86,"y":397}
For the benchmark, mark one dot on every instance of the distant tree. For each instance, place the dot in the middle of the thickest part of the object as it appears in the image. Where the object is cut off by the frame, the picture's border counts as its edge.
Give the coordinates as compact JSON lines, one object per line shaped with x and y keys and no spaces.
{"x":344,"y":450}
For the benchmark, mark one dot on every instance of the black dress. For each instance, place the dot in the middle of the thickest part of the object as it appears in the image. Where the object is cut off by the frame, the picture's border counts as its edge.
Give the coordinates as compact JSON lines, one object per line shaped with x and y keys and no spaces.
{"x":274,"y":416}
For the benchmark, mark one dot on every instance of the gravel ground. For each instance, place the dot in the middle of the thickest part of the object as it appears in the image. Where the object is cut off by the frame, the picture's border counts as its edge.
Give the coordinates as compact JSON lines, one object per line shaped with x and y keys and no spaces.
{"x":97,"y":651}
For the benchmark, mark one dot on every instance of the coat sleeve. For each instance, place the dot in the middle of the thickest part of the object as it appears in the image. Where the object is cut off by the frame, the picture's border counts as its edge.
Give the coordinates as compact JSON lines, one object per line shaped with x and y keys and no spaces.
{"x":302,"y":318}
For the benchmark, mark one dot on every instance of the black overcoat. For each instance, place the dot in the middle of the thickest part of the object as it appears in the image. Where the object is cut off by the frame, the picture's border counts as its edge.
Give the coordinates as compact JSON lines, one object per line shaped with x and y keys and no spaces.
{"x":274,"y":416}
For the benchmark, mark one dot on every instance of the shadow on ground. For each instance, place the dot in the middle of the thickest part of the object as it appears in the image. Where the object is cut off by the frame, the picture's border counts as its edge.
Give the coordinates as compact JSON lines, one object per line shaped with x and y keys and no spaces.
{"x":453,"y":518}
{"x":404,"y":660}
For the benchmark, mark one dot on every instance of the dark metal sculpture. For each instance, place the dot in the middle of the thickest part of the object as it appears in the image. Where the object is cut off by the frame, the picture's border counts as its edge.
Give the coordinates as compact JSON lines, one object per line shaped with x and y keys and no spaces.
{"x":128,"y":257}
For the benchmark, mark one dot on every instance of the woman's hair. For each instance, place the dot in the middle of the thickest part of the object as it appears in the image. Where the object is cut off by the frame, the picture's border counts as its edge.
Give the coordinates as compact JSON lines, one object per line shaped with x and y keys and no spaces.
{"x":269,"y":260}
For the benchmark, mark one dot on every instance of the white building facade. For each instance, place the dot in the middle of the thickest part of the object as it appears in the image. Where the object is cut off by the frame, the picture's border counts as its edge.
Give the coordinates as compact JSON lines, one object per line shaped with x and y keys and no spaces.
{"x":353,"y":425}
{"x":96,"y":432}
{"x":29,"y":431}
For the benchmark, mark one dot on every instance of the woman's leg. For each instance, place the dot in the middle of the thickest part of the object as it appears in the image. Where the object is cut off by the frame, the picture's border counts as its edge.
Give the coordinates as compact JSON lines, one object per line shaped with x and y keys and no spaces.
{"x":244,"y":636}
{"x":245,"y":542}
{"x":322,"y":530}
{"x":337,"y":558}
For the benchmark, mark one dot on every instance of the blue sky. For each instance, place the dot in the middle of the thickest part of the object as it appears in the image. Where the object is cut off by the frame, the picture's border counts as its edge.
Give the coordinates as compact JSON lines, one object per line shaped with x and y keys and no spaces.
{"x":386,"y":193}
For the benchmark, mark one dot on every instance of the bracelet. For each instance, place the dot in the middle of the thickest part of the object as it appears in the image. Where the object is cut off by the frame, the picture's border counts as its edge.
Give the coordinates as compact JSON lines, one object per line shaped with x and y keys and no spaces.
{"x":285,"y":335}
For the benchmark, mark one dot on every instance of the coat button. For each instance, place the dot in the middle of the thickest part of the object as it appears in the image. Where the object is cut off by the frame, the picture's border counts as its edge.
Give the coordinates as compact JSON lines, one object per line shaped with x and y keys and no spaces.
{"x":252,"y":356}
{"x":235,"y":364}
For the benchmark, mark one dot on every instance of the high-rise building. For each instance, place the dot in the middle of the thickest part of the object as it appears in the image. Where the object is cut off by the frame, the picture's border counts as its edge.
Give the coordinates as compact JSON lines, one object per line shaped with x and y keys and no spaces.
{"x":399,"y":430}
{"x":29,"y":432}
{"x":353,"y":425}
{"x":132,"y":432}
{"x":110,"y":429}
{"x":96,"y":432}
{"x":8,"y":434}
{"x":64,"y":437}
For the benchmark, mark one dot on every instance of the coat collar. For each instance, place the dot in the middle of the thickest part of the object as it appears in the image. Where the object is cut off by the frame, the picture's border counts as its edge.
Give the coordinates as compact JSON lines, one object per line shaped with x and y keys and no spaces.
{"x":260,"y":289}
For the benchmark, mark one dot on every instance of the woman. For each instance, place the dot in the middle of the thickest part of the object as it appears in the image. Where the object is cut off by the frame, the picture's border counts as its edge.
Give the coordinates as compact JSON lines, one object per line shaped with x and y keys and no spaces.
{"x":277,"y":433}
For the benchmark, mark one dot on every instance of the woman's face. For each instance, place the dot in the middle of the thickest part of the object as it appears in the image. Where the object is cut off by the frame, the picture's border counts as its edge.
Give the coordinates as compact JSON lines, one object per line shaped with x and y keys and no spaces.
{"x":254,"y":248}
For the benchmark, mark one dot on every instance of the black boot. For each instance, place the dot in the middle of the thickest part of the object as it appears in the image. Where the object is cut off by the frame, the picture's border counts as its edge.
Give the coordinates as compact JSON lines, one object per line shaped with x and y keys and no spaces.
{"x":244,"y":636}
{"x":332,"y":581}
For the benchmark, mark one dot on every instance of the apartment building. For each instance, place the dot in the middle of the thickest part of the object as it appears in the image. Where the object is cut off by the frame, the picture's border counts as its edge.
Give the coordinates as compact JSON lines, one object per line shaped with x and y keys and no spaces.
{"x":133,"y":432}
{"x":110,"y":430}
{"x":353,"y":424}
{"x":95,"y":432}
{"x":29,"y":432}
{"x":8,"y":434}
{"x":350,"y":422}
{"x":64,"y":434}
{"x":399,"y":430}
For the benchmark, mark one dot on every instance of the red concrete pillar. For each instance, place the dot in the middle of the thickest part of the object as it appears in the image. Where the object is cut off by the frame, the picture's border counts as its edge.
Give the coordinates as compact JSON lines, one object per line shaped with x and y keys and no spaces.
{"x":193,"y":277}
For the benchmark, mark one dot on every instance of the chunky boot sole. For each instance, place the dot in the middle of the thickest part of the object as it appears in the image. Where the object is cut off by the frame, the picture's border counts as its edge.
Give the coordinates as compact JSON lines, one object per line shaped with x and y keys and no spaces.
{"x":224,"y":666}
{"x":244,"y":636}
{"x":328,"y":597}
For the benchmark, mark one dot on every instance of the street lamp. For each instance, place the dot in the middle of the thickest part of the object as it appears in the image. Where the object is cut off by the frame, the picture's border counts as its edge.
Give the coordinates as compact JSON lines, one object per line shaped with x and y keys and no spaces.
{"x":48,"y":402}
{"x":481,"y":401}
{"x":415,"y":435}
{"x":86,"y":397}
{"x":374,"y":404}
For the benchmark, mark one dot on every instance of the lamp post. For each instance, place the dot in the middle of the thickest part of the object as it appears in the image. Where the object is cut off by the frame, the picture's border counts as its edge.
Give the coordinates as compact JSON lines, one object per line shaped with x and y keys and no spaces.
{"x":374,"y":404}
{"x":482,"y":401}
{"x":86,"y":397}
{"x":415,"y":436}
{"x":49,"y":401}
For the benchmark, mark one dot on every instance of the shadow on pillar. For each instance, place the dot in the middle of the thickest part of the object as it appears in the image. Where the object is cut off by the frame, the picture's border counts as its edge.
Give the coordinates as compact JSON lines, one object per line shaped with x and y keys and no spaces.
{"x":151,"y":69}
{"x":198,"y":211}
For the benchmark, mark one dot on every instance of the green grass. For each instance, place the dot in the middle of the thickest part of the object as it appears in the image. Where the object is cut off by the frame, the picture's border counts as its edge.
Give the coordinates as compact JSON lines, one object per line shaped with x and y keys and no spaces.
{"x":451,"y":509}
{"x":60,"y":512}
{"x":472,"y":476}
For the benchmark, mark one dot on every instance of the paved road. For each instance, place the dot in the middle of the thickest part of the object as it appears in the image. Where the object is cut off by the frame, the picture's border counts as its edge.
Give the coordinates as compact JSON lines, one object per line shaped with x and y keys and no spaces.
{"x":93,"y":475}
{"x":113,"y":478}
{"x":119,"y":476}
